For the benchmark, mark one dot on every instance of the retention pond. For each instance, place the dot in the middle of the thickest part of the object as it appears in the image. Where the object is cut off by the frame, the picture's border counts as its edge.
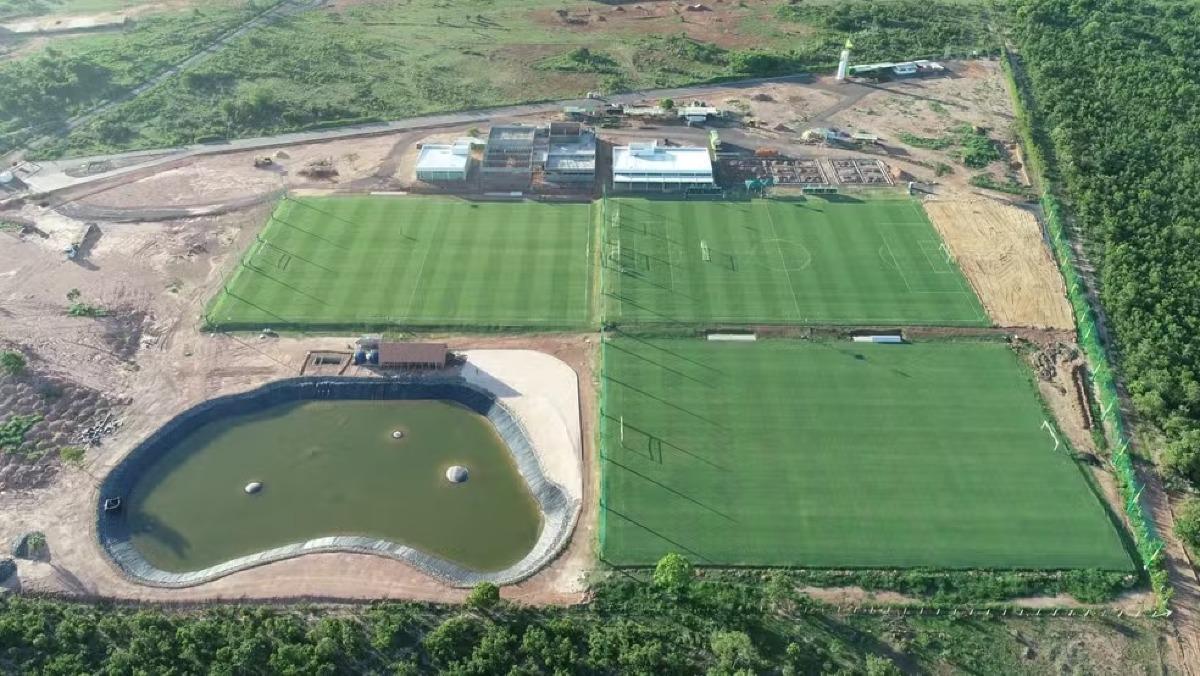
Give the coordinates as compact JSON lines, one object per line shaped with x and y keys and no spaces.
{"x":360,"y":467}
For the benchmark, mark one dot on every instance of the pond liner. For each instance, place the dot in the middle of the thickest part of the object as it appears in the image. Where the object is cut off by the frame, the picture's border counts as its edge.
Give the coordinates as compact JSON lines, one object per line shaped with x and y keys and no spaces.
{"x":558,"y":509}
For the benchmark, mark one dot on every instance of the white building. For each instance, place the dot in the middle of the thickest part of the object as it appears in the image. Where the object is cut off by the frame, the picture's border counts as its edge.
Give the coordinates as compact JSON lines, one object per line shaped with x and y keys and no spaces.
{"x":444,"y":162}
{"x":646,"y":167}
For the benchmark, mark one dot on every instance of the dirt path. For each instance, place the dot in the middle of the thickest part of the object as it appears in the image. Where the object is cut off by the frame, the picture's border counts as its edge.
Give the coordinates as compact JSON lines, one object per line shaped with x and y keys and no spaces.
{"x":1185,"y":606}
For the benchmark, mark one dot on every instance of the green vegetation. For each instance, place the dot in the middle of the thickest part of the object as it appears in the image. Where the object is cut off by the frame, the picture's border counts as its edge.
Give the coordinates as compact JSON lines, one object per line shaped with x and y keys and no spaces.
{"x":383,"y":261}
{"x":1129,"y":182}
{"x":901,"y":29}
{"x":1187,"y":523}
{"x":581,"y":60}
{"x":387,"y":60}
{"x":786,"y":453}
{"x":629,"y":627}
{"x":975,"y":149}
{"x":838,"y":260}
{"x":78,"y":308}
{"x":72,"y":455}
{"x":978,"y":150}
{"x":1008,"y":186}
{"x":673,"y":571}
{"x":13,"y":431}
{"x":12,"y":363}
{"x":484,"y":595}
{"x":57,"y":82}
{"x":939,"y":143}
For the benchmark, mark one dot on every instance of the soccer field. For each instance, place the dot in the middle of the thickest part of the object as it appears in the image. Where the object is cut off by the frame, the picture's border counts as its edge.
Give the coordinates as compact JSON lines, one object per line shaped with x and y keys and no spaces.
{"x":348,"y":262}
{"x":839,"y":260}
{"x":788,"y":453}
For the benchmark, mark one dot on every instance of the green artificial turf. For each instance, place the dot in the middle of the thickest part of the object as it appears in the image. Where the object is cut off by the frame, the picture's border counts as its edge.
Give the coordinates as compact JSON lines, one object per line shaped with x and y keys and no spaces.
{"x":786,"y":453}
{"x":345,"y":262}
{"x":840,"y":260}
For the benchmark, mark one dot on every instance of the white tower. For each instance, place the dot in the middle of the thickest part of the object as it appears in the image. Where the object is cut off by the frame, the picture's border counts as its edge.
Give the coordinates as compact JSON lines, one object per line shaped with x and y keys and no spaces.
{"x":844,"y":62}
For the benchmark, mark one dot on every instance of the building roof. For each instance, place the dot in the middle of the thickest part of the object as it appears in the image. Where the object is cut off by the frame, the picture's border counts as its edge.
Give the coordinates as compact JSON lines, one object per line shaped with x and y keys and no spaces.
{"x":701,"y":111}
{"x":512,"y":132}
{"x":441,"y":157}
{"x":579,"y":154}
{"x":412,"y":353}
{"x":645,"y":162}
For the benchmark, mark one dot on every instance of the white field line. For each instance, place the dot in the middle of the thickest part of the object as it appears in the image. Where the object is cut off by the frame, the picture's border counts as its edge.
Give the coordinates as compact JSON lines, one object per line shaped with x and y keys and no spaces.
{"x":783,"y":262}
{"x":420,"y":269}
{"x":896,"y":262}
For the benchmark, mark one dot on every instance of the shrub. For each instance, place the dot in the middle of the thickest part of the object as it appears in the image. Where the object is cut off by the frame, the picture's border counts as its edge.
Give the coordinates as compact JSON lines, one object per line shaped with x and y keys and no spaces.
{"x":1187,"y":523}
{"x":71,"y":455}
{"x":12,"y":362}
{"x":484,"y":595}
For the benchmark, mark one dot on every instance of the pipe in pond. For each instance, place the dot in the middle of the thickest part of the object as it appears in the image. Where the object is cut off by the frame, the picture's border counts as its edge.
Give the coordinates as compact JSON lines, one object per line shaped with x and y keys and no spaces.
{"x":558,"y":509}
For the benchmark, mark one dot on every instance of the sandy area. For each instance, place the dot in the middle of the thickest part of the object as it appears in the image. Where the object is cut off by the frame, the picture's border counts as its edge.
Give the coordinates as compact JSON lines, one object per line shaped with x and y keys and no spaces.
{"x":219,"y":178}
{"x":1001,"y":251}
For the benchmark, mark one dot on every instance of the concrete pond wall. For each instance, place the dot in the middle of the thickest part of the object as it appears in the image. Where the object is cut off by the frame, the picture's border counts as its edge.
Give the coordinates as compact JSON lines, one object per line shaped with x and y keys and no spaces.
{"x":558,"y":509}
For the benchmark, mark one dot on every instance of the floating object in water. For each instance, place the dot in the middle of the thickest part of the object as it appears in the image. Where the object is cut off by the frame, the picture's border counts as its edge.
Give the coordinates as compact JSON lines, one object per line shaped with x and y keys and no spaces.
{"x":253,"y":487}
{"x":398,"y":434}
{"x":456,"y":474}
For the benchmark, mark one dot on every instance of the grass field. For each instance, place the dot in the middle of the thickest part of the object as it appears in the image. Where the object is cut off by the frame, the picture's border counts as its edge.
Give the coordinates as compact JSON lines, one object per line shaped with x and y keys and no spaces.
{"x":839,"y":455}
{"x":345,"y":262}
{"x":841,"y":260}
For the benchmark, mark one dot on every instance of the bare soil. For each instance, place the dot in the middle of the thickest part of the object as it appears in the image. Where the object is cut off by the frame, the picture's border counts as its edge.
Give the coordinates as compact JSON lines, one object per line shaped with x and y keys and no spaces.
{"x":720,"y":22}
{"x":1001,"y":251}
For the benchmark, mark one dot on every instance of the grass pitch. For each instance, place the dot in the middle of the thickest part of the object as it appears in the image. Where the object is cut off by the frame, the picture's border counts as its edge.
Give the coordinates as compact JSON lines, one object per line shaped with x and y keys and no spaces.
{"x":785,"y":453}
{"x":345,"y":262}
{"x":838,"y":260}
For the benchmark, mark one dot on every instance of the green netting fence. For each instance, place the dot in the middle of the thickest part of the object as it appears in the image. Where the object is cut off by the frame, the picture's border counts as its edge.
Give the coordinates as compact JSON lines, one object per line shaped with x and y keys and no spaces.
{"x":602,"y":517}
{"x":1149,"y":544}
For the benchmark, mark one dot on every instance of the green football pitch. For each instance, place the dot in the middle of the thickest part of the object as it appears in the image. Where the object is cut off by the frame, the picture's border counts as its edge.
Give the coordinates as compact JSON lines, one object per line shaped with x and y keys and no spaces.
{"x":788,"y":453}
{"x":346,"y":262}
{"x":840,"y":260}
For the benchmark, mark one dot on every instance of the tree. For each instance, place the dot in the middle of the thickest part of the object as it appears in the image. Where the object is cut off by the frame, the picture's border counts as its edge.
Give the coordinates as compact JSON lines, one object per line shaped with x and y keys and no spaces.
{"x":734,"y":653}
{"x":12,"y":362}
{"x":667,"y":104}
{"x":484,"y":595}
{"x":673,"y":572}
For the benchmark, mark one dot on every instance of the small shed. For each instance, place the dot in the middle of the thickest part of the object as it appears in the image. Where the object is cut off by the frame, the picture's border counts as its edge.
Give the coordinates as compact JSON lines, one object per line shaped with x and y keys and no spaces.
{"x":412,"y":355}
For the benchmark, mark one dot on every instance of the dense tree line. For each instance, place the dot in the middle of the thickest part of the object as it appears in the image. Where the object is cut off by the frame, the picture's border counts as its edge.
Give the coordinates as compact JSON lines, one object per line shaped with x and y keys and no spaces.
{"x":671,"y":623}
{"x":1118,"y":98}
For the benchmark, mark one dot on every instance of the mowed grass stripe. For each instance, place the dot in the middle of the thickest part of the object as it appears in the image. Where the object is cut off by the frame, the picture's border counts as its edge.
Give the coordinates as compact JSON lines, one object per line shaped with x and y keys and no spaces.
{"x":839,"y":455}
{"x":838,"y":260}
{"x":414,"y":260}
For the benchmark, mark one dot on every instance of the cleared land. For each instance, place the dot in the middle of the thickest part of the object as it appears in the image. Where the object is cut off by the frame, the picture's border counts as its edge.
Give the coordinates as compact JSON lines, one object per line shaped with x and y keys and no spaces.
{"x":839,"y":454}
{"x":1001,"y":251}
{"x":345,"y":262}
{"x":839,"y":260}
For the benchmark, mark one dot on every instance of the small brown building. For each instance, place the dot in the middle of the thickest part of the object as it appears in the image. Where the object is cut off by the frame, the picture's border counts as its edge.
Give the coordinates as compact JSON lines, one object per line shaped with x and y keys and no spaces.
{"x":412,"y":355}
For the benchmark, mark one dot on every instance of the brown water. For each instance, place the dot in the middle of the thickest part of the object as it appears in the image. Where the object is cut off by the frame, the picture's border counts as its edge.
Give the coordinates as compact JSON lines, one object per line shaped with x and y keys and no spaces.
{"x":333,"y":468}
